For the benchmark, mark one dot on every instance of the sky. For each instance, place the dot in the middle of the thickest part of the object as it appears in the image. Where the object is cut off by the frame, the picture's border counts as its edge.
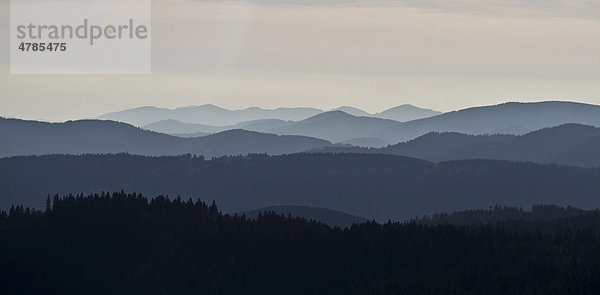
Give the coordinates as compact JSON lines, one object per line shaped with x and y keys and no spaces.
{"x":443,"y":55}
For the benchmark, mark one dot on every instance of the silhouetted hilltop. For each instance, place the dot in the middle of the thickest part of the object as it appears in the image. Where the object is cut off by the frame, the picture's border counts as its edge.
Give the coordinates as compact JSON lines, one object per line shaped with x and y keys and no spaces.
{"x":406,"y":112}
{"x":352,"y":111}
{"x":373,"y":186}
{"x":21,"y":137}
{"x":327,"y":216}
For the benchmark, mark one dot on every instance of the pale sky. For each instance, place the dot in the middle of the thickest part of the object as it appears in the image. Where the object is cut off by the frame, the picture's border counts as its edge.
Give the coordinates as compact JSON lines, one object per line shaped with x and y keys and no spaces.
{"x":373,"y":55}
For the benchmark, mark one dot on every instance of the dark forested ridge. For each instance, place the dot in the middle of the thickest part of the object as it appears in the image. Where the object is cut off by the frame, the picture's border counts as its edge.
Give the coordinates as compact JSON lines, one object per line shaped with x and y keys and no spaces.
{"x":373,"y":186}
{"x":547,"y":218}
{"x":569,"y":144}
{"x":126,"y":244}
{"x":327,"y":216}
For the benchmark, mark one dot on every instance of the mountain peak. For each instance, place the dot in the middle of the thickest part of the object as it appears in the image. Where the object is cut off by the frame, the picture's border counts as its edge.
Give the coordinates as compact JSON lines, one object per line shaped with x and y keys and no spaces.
{"x":211,"y":107}
{"x":352,"y":111}
{"x":330,"y":115}
{"x":406,"y":112}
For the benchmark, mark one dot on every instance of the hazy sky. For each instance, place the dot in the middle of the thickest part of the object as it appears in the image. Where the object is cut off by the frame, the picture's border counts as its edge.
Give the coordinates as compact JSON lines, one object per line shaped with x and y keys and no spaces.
{"x":373,"y":55}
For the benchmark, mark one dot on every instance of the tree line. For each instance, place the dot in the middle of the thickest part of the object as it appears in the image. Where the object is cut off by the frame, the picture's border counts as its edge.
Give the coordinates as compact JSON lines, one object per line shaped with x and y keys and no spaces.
{"x":128,"y":244}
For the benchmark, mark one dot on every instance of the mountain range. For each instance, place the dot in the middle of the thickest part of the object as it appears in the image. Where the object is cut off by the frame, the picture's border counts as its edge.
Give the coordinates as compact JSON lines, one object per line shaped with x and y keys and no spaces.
{"x":335,"y":126}
{"x":20,"y":137}
{"x":215,"y":116}
{"x":207,"y":115}
{"x":570,"y":144}
{"x":508,"y":118}
{"x":182,"y":129}
{"x":401,"y":113}
{"x":343,"y":126}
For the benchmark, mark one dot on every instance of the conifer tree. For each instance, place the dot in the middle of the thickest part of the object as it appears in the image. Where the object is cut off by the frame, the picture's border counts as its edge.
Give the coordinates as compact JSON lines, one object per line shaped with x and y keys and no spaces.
{"x":48,"y":204}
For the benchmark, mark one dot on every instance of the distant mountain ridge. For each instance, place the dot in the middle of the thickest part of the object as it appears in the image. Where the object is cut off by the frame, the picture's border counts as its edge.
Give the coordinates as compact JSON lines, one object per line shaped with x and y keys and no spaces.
{"x":19,"y":137}
{"x":372,"y":131}
{"x":506,"y":118}
{"x":570,"y":144}
{"x":509,"y":118}
{"x":335,"y":126}
{"x":182,"y":129}
{"x":406,"y":112}
{"x":215,"y":116}
{"x":207,"y":114}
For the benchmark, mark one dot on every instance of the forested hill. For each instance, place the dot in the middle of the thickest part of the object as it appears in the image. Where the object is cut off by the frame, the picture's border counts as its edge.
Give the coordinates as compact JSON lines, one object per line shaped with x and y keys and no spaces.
{"x":124,"y":244}
{"x":327,"y":216}
{"x":545,"y":218}
{"x":377,"y":187}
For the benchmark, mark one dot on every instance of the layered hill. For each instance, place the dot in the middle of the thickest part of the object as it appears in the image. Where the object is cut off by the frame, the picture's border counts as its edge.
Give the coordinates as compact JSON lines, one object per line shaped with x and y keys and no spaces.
{"x":375,"y":186}
{"x":182,"y":129}
{"x":406,"y":112}
{"x":215,"y":116}
{"x":370,"y":131}
{"x":207,"y":115}
{"x":507,"y":118}
{"x":335,"y":126}
{"x":19,"y":137}
{"x":569,"y":144}
{"x":347,"y":124}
